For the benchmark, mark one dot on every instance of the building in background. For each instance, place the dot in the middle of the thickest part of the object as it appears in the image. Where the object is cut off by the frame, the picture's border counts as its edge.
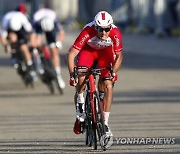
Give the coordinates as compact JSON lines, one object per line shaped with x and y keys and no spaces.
{"x":156,"y":16}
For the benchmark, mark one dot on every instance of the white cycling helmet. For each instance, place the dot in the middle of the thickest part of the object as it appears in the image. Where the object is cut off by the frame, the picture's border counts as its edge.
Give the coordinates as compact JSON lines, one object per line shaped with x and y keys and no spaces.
{"x":47,"y":24}
{"x":15,"y":24}
{"x":103,"y":19}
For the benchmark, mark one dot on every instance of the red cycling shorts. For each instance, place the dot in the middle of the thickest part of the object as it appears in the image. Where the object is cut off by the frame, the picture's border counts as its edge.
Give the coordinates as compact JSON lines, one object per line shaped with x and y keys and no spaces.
{"x":104,"y":57}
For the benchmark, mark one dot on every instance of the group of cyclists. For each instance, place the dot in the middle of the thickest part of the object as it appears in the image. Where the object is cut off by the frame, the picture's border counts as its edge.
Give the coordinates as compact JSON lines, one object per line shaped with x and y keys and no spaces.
{"x":100,"y":40}
{"x":18,"y":32}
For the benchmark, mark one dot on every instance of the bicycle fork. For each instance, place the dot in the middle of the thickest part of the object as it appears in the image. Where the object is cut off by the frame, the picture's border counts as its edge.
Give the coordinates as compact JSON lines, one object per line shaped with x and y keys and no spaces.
{"x":92,"y":91}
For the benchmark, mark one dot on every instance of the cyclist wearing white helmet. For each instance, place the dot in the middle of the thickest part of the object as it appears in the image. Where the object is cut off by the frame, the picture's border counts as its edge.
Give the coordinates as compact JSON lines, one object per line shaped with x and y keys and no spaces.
{"x":15,"y":25}
{"x":45,"y":22}
{"x":100,"y":41}
{"x":103,"y":19}
{"x":15,"y":29}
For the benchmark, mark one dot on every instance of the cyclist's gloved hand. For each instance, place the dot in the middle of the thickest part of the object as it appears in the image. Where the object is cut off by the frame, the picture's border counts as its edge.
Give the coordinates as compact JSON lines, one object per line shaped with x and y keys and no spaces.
{"x":114,"y":77}
{"x":72,"y":82}
{"x":59,"y":45}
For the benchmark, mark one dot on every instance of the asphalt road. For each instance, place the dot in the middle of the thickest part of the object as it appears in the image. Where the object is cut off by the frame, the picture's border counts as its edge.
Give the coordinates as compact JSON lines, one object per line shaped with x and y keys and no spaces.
{"x":145,"y":116}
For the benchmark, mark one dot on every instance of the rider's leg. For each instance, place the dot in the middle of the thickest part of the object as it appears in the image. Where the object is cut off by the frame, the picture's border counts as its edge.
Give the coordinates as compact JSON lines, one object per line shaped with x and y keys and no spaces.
{"x":56,"y":63}
{"x":80,"y":101}
{"x":27,"y":55}
{"x":12,"y":39}
{"x":104,"y":59}
{"x":86,"y":58}
{"x":36,"y":43}
{"x":51,"y":40}
{"x":55,"y":57}
{"x":24,"y":49}
{"x":80,"y":105}
{"x":22,"y":42}
{"x":85,"y":61}
{"x":101,"y":89}
{"x":108,"y":88}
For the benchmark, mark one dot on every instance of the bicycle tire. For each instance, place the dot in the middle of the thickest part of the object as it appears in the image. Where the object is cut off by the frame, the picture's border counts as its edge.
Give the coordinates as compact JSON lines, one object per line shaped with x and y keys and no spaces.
{"x":100,"y":126}
{"x":51,"y":87}
{"x":61,"y":92}
{"x":48,"y":76}
{"x":22,"y":70}
{"x":94,"y":135}
{"x":87,"y":123}
{"x":52,"y":75}
{"x":91,"y":138}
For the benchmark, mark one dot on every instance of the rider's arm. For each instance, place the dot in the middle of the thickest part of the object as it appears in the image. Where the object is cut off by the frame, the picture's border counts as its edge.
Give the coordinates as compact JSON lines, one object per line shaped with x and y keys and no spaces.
{"x":70,"y":58}
{"x":26,"y":24}
{"x":61,"y":33}
{"x":4,"y":33}
{"x":117,"y":41}
{"x":77,"y":46}
{"x":3,"y":41}
{"x":118,"y":61}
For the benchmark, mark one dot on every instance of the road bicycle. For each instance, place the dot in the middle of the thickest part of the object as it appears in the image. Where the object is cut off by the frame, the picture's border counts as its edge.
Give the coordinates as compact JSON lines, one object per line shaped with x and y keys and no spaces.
{"x":93,"y":126}
{"x":22,"y":69}
{"x":49,"y":77}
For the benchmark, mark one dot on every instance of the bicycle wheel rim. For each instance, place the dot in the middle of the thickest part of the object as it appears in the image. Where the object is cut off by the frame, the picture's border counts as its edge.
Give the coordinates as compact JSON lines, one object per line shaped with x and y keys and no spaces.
{"x":91,"y":138}
{"x":100,"y":126}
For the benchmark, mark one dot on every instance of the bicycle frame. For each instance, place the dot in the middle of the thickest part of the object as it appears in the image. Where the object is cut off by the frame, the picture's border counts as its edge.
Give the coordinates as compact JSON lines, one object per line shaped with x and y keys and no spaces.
{"x":96,"y":111}
{"x":94,"y":122}
{"x":92,"y":87}
{"x":49,"y":75}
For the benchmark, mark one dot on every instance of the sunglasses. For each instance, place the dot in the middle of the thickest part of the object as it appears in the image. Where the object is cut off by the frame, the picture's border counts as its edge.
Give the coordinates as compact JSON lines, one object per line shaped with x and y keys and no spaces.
{"x":100,"y":29}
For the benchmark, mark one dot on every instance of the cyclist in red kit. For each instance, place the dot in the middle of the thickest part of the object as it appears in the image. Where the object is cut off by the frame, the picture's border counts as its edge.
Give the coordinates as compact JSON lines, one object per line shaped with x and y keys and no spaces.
{"x":100,"y":41}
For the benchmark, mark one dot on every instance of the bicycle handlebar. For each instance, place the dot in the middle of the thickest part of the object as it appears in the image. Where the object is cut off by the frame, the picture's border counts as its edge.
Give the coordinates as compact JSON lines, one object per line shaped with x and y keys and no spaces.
{"x":94,"y":71}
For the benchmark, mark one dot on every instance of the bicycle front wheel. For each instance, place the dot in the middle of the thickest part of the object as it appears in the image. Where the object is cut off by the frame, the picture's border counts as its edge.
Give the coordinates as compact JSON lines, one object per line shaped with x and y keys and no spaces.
{"x":91,"y":138}
{"x":100,"y":126}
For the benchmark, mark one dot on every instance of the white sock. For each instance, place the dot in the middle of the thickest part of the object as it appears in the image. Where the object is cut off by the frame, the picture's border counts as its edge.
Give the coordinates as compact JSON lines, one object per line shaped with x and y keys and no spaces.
{"x":80,"y":98}
{"x":106,"y":118}
{"x":58,"y":70}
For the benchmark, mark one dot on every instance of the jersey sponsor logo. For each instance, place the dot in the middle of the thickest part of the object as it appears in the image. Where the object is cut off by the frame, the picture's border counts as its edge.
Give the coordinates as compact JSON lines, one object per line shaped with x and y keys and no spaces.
{"x":84,"y":38}
{"x":117,"y":40}
{"x":96,"y":43}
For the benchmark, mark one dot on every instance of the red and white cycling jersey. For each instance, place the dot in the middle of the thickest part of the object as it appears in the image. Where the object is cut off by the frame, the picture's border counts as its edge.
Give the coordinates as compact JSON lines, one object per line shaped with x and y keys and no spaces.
{"x":92,"y":48}
{"x":89,"y":36}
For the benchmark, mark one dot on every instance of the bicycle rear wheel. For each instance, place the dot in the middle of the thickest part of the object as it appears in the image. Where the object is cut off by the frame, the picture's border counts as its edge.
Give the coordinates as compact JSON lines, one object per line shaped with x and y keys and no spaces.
{"x":61,"y":92}
{"x":48,"y":76}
